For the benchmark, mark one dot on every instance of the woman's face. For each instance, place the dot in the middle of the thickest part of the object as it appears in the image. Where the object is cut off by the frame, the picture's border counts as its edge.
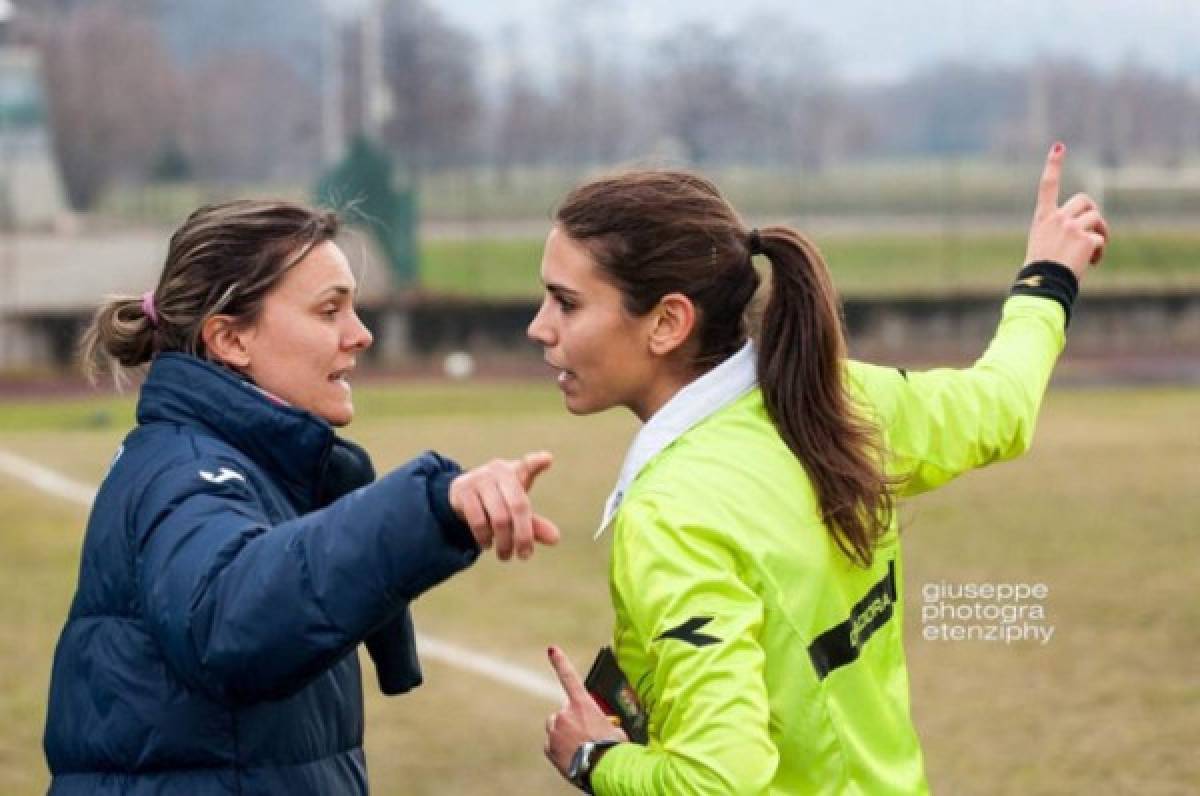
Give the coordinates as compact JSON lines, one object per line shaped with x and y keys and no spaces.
{"x":600,"y":351}
{"x":304,"y":345}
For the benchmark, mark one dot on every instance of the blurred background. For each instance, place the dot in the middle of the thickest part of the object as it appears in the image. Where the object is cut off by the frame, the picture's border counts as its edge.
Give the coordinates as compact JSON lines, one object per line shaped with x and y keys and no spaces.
{"x":905,"y":137}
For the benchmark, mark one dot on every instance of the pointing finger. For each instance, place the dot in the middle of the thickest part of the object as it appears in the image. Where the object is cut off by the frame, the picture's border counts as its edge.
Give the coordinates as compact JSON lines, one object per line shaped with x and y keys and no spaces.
{"x":1047,"y":198}
{"x":572,"y":685}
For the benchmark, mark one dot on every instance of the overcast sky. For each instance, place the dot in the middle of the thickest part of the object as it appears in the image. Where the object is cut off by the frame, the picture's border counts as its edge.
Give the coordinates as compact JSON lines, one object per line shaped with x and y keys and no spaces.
{"x":878,"y":40}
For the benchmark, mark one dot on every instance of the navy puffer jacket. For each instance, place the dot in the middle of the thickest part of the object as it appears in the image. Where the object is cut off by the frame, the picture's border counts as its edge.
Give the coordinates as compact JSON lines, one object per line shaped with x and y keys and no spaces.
{"x":225,"y":584}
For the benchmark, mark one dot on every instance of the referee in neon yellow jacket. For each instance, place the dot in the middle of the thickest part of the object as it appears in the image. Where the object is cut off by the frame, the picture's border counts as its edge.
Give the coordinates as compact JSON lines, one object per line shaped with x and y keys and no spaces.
{"x":757,"y":575}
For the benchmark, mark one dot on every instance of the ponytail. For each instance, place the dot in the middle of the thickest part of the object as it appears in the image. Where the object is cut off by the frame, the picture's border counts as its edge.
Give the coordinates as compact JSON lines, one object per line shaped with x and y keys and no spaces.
{"x":653,"y":232}
{"x":801,"y":358}
{"x":120,"y":335}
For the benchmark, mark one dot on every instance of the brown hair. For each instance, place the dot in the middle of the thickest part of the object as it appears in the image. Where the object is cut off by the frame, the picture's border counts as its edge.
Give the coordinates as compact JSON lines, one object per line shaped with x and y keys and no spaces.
{"x":657,"y":232}
{"x":224,"y":259}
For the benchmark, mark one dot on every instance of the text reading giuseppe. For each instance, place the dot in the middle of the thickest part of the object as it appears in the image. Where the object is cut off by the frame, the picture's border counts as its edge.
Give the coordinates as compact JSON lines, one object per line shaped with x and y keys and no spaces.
{"x":997,"y":612}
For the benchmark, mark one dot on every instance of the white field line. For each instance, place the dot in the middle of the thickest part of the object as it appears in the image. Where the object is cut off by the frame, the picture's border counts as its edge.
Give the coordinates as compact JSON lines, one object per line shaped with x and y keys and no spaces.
{"x":46,"y":480}
{"x":503,"y":672}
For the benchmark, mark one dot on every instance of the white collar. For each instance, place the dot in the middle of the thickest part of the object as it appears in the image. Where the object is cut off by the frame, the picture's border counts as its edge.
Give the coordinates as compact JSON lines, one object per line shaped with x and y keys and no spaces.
{"x":713,"y":391}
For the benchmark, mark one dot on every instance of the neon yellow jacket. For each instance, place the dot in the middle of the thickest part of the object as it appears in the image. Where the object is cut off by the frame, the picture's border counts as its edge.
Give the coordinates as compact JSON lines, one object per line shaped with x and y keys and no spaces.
{"x":769,"y":663}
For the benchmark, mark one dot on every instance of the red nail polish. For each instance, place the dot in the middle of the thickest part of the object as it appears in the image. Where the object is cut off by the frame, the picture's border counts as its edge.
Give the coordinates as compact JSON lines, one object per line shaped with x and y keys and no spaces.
{"x":550,"y":651}
{"x":1058,"y":147}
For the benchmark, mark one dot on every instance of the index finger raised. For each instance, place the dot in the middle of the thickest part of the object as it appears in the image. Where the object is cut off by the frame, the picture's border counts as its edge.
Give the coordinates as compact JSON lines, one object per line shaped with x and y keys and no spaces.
{"x":571,"y":683}
{"x":1048,"y":186}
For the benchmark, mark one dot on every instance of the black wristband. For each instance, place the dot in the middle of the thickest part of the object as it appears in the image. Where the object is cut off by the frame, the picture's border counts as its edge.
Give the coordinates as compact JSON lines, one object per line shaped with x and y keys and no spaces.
{"x":1048,"y":279}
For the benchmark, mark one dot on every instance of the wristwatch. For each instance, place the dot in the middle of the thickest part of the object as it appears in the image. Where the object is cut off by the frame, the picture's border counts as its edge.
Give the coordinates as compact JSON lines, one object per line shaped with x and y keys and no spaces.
{"x":584,"y":760}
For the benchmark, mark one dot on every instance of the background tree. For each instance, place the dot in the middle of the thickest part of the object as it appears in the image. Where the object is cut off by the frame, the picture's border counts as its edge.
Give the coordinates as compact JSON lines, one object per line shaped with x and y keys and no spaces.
{"x":594,"y":121}
{"x":252,"y":117}
{"x":429,"y":68}
{"x":523,"y":117}
{"x":697,"y":83}
{"x":113,"y":98}
{"x":799,"y":112}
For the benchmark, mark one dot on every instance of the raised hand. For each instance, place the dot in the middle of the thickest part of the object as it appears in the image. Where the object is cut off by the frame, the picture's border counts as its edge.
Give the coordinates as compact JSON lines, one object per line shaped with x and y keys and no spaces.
{"x":579,"y":720}
{"x":1074,"y":234}
{"x":493,"y":500}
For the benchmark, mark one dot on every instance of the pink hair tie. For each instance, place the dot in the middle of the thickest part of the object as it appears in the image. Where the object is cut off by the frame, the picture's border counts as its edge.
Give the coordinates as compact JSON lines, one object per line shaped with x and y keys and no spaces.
{"x":148,"y":308}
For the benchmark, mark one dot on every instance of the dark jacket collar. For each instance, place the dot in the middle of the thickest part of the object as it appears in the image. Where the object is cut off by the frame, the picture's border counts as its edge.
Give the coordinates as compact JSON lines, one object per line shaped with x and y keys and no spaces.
{"x":293,"y":446}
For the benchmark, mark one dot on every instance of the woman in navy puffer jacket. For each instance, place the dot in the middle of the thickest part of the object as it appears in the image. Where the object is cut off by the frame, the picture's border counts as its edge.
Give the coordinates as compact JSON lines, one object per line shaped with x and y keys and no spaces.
{"x":239,"y":551}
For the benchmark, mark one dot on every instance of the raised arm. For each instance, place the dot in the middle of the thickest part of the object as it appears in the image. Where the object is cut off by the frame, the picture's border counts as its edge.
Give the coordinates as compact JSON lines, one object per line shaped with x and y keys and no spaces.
{"x":943,"y":422}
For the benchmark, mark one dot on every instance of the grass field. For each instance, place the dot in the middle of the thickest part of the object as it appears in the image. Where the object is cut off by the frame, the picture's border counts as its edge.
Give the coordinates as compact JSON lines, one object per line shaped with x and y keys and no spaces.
{"x":1104,"y":511}
{"x":931,"y":240}
{"x":920,"y":187}
{"x":916,"y":263}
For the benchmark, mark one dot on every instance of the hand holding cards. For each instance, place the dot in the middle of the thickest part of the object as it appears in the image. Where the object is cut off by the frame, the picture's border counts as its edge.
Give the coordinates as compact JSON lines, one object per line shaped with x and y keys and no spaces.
{"x":615,"y":695}
{"x":580,"y":722}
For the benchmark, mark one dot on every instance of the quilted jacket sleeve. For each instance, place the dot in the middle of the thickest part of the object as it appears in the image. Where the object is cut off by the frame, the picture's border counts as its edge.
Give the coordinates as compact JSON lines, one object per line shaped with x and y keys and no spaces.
{"x":247,"y":611}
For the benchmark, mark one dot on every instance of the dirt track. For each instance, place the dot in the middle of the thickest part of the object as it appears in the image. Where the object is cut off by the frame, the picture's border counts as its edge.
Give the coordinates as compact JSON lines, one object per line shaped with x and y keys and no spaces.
{"x":1178,"y":368}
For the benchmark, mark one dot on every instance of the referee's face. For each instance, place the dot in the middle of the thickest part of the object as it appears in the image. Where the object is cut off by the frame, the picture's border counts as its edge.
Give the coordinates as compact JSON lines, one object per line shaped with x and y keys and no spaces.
{"x":598,"y":349}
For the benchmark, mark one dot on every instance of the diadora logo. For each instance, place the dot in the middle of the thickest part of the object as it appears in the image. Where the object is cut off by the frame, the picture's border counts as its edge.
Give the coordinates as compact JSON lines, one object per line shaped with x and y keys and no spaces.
{"x":864,"y":622}
{"x":843,"y":643}
{"x":223,"y":475}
